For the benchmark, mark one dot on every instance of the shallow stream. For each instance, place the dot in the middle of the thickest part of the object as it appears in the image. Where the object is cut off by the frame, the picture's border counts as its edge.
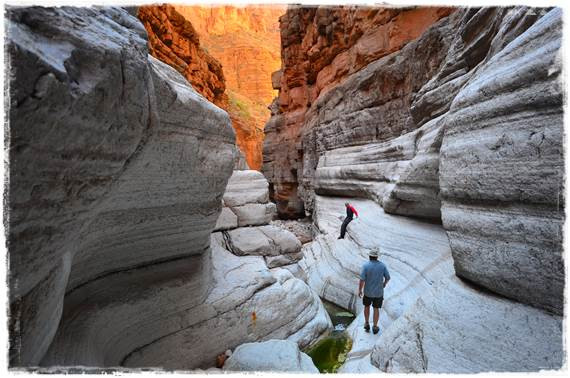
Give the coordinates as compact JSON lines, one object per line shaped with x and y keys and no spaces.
{"x":330,"y":351}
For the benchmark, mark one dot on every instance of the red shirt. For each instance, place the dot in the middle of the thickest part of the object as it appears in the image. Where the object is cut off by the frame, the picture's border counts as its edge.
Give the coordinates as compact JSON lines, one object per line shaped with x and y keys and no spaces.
{"x":349,"y":207}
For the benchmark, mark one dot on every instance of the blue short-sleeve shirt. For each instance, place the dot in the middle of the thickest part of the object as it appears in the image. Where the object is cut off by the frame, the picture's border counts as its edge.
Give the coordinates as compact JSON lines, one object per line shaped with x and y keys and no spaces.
{"x":373,"y":274}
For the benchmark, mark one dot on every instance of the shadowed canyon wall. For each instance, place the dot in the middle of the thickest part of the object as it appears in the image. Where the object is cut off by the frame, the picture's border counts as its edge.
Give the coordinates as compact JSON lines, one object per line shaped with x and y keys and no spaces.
{"x":102,"y":214}
{"x":228,"y":54}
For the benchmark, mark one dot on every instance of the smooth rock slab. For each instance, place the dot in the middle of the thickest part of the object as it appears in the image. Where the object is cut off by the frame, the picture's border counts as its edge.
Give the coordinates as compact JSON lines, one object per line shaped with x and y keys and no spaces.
{"x":416,"y":254}
{"x":270,"y":356}
{"x":457,"y":329}
{"x":285,"y":241}
{"x":250,"y":241}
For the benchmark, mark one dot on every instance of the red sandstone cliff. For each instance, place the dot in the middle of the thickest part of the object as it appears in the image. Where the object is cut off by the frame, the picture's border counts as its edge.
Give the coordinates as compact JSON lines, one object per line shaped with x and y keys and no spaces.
{"x":246,"y":40}
{"x":173,"y":39}
{"x":228,"y":55}
{"x":321,"y":47}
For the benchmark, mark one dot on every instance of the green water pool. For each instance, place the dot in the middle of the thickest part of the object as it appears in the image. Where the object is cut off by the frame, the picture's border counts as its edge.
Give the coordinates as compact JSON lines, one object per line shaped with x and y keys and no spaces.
{"x":330,"y":351}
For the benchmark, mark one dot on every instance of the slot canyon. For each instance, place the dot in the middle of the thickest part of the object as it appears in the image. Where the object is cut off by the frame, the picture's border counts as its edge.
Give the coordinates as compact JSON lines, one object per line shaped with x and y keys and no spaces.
{"x":178,"y":175}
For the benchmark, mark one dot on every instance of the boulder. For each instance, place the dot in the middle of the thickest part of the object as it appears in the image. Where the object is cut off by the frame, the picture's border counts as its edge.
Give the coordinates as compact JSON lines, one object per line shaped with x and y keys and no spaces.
{"x":284,"y":241}
{"x":280,"y":247}
{"x":250,"y":241}
{"x":455,"y":328}
{"x":246,"y":197}
{"x":246,"y":187}
{"x":270,"y":356}
{"x":303,"y":228}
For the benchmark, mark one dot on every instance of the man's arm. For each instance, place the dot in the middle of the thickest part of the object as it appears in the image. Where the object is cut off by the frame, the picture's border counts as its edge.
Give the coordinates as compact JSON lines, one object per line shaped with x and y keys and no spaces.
{"x":386,"y":281}
{"x":362,"y":278}
{"x":386,"y":276}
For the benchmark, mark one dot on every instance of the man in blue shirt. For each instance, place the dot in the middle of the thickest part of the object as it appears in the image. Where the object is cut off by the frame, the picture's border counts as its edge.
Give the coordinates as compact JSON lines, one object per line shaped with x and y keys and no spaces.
{"x":373,"y":278}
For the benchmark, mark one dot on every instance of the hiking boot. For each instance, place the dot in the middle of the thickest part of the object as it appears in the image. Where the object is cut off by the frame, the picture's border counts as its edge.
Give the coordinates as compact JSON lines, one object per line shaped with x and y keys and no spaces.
{"x":367,"y":327}
{"x":375,"y":329}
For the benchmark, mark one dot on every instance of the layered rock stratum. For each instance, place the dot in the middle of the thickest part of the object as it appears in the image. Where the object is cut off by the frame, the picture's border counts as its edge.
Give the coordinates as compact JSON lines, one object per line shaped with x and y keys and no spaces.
{"x":322,"y":47}
{"x":138,"y":237}
{"x":102,"y":140}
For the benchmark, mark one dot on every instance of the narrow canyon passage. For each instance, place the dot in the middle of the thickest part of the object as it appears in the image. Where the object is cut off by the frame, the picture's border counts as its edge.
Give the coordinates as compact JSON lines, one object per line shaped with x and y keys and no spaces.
{"x":178,"y":178}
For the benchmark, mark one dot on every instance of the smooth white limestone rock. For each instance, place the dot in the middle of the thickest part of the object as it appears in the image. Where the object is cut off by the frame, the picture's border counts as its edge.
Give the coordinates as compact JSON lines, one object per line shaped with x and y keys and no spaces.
{"x":270,"y":356}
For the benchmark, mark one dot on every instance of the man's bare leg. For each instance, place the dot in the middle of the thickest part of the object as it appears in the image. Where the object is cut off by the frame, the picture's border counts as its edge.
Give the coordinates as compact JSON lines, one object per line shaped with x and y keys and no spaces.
{"x":366,"y":317}
{"x":376,"y":316}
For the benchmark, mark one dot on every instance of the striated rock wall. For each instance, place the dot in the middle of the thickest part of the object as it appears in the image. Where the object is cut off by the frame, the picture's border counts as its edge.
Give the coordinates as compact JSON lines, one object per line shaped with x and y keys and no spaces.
{"x":501,"y":162}
{"x":321,"y":48}
{"x":430,"y":131}
{"x":106,"y":234}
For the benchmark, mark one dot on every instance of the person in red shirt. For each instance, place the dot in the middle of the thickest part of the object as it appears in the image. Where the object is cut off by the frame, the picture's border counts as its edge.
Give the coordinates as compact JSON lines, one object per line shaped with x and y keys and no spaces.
{"x":350,"y":211}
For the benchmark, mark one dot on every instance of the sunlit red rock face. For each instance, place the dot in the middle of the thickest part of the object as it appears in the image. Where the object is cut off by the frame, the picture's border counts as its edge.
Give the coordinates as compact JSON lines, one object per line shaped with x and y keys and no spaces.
{"x":246,"y":41}
{"x":321,"y":48}
{"x":228,"y":54}
{"x":174,"y":41}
